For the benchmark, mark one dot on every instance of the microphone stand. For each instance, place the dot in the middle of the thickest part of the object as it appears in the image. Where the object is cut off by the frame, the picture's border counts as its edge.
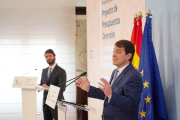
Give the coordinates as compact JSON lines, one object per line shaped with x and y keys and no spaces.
{"x":28,"y":72}
{"x":73,"y":79}
{"x":69,"y":84}
{"x":61,"y":93}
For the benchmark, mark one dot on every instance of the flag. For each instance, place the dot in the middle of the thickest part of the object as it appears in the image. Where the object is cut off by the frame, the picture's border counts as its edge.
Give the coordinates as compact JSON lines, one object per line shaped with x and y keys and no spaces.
{"x":152,"y":104}
{"x":133,"y":36}
{"x":136,"y":39}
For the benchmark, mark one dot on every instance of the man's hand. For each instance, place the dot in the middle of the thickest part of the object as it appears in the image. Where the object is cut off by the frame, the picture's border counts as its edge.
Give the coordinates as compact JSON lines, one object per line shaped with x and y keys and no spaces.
{"x":106,"y":88}
{"x":84,"y":84}
{"x":45,"y":86}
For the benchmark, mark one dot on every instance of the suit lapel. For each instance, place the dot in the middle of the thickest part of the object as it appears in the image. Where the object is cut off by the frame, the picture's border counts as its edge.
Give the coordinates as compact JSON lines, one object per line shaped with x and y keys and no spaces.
{"x":121,"y":76}
{"x":45,"y":75}
{"x":118,"y":78}
{"x":110,"y":82}
{"x":112,"y":77}
{"x":53,"y":73}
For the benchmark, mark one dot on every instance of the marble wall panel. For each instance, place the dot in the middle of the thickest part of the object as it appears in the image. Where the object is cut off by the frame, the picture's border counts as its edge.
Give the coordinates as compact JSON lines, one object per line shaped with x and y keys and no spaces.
{"x":81,"y":46}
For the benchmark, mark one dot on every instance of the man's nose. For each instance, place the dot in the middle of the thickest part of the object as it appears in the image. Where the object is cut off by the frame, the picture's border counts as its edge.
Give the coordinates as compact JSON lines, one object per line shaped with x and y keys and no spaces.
{"x":114,"y":54}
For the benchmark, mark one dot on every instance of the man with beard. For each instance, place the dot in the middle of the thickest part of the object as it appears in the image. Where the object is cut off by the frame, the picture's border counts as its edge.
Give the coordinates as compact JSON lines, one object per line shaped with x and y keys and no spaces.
{"x":52,"y":75}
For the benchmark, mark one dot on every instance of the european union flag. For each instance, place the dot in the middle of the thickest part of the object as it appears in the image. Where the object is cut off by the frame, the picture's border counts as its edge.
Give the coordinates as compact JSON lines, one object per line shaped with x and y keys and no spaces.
{"x":152,"y":104}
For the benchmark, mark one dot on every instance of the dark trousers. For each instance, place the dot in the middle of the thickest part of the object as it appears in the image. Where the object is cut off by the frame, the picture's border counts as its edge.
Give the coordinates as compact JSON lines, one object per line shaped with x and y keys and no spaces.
{"x":49,"y":113}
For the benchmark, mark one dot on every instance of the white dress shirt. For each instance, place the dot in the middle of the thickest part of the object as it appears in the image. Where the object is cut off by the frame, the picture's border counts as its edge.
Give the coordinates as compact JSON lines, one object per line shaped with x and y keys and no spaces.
{"x":120,"y":70}
{"x":52,"y":68}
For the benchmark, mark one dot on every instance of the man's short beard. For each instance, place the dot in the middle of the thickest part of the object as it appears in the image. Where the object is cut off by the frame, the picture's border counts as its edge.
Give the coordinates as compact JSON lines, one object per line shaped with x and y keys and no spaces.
{"x":50,"y":63}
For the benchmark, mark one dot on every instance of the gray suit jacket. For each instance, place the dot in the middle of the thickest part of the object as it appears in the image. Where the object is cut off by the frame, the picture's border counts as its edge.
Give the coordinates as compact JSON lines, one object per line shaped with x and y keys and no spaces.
{"x":57,"y":78}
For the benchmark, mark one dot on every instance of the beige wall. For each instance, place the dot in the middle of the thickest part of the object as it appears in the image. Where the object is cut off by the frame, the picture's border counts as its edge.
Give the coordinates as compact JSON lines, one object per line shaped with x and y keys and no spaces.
{"x":95,"y":44}
{"x":81,"y":44}
{"x":81,"y":61}
{"x":27,"y":29}
{"x":80,"y":3}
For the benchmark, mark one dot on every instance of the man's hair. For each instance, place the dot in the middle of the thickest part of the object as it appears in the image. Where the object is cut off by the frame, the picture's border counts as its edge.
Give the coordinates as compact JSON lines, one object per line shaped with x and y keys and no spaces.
{"x":128,"y":47}
{"x":50,"y":51}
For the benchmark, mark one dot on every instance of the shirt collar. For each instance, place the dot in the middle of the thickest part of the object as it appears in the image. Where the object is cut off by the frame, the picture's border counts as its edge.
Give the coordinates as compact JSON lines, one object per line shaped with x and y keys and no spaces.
{"x":52,"y":66}
{"x":122,"y":68}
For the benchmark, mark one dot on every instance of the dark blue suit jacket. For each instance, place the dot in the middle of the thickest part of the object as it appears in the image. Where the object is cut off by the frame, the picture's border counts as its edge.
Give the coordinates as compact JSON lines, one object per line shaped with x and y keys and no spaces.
{"x":126,"y":93}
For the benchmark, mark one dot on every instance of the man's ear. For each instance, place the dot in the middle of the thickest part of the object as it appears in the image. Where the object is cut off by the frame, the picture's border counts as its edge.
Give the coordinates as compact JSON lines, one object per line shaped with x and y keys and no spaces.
{"x":129,"y":56}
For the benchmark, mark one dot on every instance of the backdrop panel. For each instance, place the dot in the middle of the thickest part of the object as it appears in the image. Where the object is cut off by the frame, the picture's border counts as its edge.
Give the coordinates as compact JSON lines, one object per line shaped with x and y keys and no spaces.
{"x":107,"y":22}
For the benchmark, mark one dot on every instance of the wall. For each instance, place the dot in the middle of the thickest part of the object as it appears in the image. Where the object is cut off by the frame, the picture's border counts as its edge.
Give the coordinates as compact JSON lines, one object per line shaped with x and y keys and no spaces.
{"x":80,"y":3}
{"x":27,"y":29}
{"x":81,"y":44}
{"x":81,"y":61}
{"x":100,"y":50}
{"x":165,"y":36}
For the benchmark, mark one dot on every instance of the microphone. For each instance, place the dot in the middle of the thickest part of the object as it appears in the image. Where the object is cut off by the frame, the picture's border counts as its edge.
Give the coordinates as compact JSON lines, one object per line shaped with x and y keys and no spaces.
{"x":74,"y":79}
{"x":77,"y":78}
{"x":28,"y":72}
{"x":84,"y":73}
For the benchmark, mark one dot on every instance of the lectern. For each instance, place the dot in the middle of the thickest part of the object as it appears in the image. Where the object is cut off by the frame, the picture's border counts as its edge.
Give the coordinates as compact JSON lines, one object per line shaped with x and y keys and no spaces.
{"x":28,"y":86}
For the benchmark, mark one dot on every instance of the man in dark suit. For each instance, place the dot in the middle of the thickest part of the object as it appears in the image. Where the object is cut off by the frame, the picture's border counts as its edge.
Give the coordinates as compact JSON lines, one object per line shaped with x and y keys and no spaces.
{"x":52,"y":75}
{"x":122,"y":94}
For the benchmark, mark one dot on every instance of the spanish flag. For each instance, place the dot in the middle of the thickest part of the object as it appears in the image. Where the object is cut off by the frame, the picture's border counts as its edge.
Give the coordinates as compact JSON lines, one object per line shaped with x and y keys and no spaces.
{"x":136,"y":39}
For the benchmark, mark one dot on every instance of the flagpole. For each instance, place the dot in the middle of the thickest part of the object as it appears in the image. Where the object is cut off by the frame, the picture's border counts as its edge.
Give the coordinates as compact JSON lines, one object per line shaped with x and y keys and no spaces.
{"x":148,"y":13}
{"x":135,"y":16}
{"x":139,"y":14}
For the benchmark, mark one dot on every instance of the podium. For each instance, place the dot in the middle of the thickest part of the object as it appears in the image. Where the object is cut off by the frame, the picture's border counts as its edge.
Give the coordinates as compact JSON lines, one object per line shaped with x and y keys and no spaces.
{"x":28,"y":86}
{"x":62,"y":108}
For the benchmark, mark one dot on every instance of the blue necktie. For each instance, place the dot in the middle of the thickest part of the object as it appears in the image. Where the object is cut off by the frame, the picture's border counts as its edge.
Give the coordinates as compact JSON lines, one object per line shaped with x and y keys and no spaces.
{"x":114,"y":78}
{"x":49,"y":73}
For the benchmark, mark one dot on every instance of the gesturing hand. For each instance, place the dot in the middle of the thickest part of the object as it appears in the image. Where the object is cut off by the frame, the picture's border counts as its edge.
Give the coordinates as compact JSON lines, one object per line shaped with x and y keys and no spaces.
{"x":106,"y":88}
{"x":84,"y":84}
